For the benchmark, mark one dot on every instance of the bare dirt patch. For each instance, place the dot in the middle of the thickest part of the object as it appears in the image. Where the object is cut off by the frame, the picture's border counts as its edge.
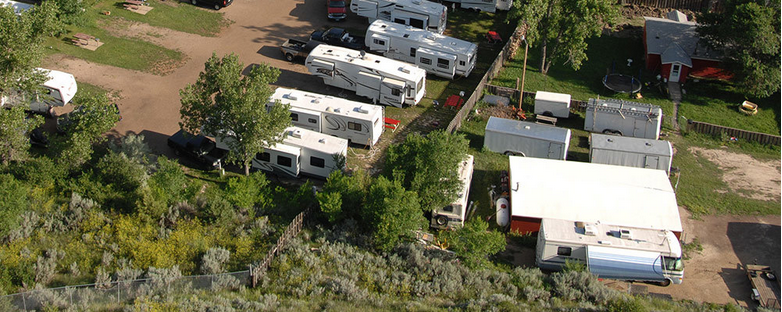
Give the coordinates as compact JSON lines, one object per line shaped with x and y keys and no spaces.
{"x":744,"y":174}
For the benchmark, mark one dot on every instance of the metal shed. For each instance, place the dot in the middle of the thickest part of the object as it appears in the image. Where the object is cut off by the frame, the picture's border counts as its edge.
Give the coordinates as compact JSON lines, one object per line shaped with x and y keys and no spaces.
{"x":630,"y":152}
{"x":523,"y":138}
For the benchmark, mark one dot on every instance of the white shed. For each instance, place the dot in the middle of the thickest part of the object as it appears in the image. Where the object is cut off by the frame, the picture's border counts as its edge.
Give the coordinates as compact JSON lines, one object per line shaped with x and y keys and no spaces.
{"x":552,"y":104}
{"x":630,"y":152}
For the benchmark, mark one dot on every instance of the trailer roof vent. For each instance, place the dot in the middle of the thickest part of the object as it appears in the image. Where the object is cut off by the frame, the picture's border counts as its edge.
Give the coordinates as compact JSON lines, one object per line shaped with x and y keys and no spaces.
{"x":404,"y":70}
{"x":648,"y":144}
{"x":328,"y":109}
{"x":625,"y":234}
{"x":590,"y":230}
{"x":322,"y":141}
{"x":336,"y":110}
{"x":527,"y":127}
{"x":361,"y":109}
{"x":296,"y":134}
{"x":290,"y":96}
{"x":430,"y":37}
{"x":406,"y":35}
{"x":604,"y":242}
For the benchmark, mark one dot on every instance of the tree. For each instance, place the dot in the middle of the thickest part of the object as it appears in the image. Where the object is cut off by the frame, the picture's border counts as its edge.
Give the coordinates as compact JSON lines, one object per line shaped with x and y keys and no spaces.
{"x":392,"y":213}
{"x":231,"y":107}
{"x":14,"y":133}
{"x":343,"y":195}
{"x":748,"y":33}
{"x":429,"y":166}
{"x":473,"y":243}
{"x":85,"y":126}
{"x":561,"y":27}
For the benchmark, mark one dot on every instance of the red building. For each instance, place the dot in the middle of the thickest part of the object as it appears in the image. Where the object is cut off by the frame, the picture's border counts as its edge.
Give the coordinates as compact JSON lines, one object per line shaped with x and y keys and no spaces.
{"x":673,"y":50}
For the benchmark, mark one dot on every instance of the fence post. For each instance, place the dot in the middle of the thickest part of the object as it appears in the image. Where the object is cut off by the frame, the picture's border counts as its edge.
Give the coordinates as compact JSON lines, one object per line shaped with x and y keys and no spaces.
{"x":24,"y":302}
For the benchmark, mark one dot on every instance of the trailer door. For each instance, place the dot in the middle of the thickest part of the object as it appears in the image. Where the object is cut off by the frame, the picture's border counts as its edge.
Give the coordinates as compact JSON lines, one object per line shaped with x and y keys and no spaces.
{"x":392,"y":92}
{"x":639,"y":129}
{"x":438,"y":63}
{"x":555,"y":151}
{"x":379,"y":43}
{"x":368,"y":85}
{"x":321,"y":68}
{"x":652,"y":162}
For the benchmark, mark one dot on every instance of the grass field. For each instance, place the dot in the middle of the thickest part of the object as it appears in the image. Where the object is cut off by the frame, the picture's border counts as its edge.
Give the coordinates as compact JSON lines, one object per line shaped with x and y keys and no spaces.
{"x":175,"y":15}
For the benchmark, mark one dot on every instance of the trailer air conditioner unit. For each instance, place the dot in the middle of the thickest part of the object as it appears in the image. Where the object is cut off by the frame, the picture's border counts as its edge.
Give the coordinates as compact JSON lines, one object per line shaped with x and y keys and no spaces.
{"x":625,"y":234}
{"x":590,"y":230}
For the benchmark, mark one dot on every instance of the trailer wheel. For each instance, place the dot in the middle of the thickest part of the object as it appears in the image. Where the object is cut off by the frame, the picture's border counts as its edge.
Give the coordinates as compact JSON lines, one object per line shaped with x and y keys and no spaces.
{"x":665,"y":283}
{"x":617,"y":132}
{"x":608,"y":131}
{"x":194,"y":2}
{"x":289,"y":57}
{"x":441,"y":220}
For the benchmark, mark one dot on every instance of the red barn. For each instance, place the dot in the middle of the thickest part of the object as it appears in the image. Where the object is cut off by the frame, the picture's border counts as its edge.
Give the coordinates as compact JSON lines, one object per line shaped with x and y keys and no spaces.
{"x":672,"y":49}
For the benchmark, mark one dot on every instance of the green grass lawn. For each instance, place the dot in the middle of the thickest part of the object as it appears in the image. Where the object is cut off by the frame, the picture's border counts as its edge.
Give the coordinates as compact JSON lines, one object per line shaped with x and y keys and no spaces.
{"x":175,"y":15}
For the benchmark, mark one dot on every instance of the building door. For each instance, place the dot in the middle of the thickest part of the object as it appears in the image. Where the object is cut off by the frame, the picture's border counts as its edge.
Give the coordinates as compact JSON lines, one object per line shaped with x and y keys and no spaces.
{"x":676,"y":70}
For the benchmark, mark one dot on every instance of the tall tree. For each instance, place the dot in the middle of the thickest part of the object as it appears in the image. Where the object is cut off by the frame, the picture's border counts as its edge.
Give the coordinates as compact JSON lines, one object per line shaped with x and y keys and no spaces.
{"x":232,"y":107}
{"x":429,"y":166}
{"x":748,"y":33}
{"x":561,"y":27}
{"x":392,"y":213}
{"x":15,"y":129}
{"x":474,"y":242}
{"x":85,"y":126}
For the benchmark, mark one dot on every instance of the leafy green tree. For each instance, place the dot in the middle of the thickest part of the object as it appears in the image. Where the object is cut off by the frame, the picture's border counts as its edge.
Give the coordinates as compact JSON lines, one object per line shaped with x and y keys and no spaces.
{"x":392,"y":213}
{"x":343,"y":195}
{"x":14,"y":134}
{"x":94,"y":116}
{"x":561,"y":27}
{"x":748,"y":33}
{"x":13,"y":201}
{"x":474,"y":242}
{"x":249,"y":192}
{"x":231,"y":107}
{"x":429,"y":166}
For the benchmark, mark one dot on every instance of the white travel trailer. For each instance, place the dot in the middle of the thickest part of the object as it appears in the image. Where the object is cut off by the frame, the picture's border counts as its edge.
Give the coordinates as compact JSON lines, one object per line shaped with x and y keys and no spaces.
{"x":439,"y":55}
{"x":513,"y":137}
{"x":630,"y":152}
{"x":482,"y":5}
{"x":417,"y":13}
{"x":301,"y":152}
{"x":18,"y":7}
{"x":611,"y":116}
{"x":356,"y":122}
{"x":454,"y":215}
{"x":611,"y":251}
{"x":59,"y":90}
{"x":383,"y":80}
{"x":552,"y":104}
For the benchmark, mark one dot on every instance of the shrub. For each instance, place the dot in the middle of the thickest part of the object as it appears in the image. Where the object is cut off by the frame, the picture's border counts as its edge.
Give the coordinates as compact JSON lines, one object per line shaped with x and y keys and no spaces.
{"x":213,"y":260}
{"x":46,"y":266}
{"x":13,"y":202}
{"x":626,"y":304}
{"x":248,"y":192}
{"x":135,"y":149}
{"x":102,"y":278}
{"x":122,"y":172}
{"x":169,"y":182}
{"x":474,"y":243}
{"x":580,"y":286}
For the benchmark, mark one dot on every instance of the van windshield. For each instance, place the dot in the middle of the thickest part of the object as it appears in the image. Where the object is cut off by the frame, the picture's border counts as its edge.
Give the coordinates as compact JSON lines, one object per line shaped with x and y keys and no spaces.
{"x":673,"y":264}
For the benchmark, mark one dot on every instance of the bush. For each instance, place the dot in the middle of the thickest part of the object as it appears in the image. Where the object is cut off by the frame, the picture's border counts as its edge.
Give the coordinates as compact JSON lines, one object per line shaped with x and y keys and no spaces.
{"x":213,"y":260}
{"x":580,"y":286}
{"x":626,"y":304}
{"x":474,"y":243}
{"x":248,"y":192}
{"x":169,"y":182}
{"x":13,"y":201}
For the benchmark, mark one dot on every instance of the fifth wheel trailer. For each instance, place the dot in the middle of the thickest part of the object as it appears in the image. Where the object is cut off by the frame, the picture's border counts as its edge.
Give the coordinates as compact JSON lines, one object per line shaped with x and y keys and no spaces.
{"x":453,"y":215}
{"x":381,"y":79}
{"x":356,"y":122}
{"x":630,"y":152}
{"x":417,"y":13}
{"x":438,"y":54}
{"x":611,"y":116}
{"x":513,"y":137}
{"x":58,"y":90}
{"x":611,"y":251}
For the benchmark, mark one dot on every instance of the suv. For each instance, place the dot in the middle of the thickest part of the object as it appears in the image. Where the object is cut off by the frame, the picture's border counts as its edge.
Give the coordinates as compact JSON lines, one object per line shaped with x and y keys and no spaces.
{"x":216,"y":4}
{"x":198,"y":147}
{"x":337,"y":9}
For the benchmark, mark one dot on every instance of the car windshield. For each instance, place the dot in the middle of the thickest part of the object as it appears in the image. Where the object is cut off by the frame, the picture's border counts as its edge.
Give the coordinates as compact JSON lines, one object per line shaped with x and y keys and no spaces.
{"x":673,"y":264}
{"x":336,"y":4}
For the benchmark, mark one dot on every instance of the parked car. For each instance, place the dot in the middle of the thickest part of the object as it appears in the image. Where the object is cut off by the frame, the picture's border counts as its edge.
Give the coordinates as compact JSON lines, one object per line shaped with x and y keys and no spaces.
{"x":199,"y":148}
{"x":216,"y":4}
{"x":337,"y":10}
{"x":339,"y":37}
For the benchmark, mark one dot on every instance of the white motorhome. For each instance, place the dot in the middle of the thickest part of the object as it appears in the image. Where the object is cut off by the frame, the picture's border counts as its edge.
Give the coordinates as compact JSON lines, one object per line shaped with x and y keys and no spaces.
{"x":301,"y":152}
{"x":58,"y":90}
{"x":417,"y":13}
{"x":453,"y":215}
{"x":552,"y":104}
{"x":630,"y":152}
{"x":356,"y":122}
{"x":611,"y":116}
{"x":513,"y":137}
{"x":611,"y":251}
{"x":482,"y":5}
{"x":438,"y":54}
{"x":18,"y":7}
{"x":383,"y":80}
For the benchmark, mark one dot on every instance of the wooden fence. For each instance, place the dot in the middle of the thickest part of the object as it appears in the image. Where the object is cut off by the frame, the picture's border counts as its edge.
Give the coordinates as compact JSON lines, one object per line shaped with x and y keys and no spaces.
{"x":291,"y":231}
{"x":707,"y":128}
{"x":693,"y":5}
{"x":575,"y":105}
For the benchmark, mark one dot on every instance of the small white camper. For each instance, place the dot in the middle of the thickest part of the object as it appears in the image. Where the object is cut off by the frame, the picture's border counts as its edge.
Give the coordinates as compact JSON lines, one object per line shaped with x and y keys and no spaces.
{"x":58,"y":90}
{"x":381,"y":79}
{"x":453,"y":215}
{"x":417,"y":13}
{"x":438,"y":54}
{"x":513,"y":137}
{"x":552,"y":104}
{"x":630,"y":152}
{"x":356,"y":122}
{"x":611,"y":116}
{"x":482,"y":5}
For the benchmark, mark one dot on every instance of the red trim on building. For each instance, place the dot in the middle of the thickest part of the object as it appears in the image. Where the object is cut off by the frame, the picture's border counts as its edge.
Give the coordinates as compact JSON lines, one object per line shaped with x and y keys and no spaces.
{"x":524,"y":225}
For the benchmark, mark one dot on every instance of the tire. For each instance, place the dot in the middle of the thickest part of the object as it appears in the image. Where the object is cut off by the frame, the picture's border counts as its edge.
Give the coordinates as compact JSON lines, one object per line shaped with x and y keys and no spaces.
{"x":608,"y":131}
{"x":441,"y":220}
{"x":289,"y":57}
{"x":617,"y":132}
{"x":665,"y":283}
{"x":194,"y":2}
{"x":217,"y":7}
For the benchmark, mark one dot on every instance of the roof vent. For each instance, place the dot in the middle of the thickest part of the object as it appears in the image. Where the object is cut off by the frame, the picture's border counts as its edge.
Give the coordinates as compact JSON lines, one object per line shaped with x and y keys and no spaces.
{"x":322,"y":141}
{"x":625,"y":234}
{"x":361,"y":109}
{"x":404,"y":70}
{"x":290,"y":96}
{"x":296,"y":134}
{"x":336,"y":110}
{"x":604,"y":243}
{"x":526,"y":127}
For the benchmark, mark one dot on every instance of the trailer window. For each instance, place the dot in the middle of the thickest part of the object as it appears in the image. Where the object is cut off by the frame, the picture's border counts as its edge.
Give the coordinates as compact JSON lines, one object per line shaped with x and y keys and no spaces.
{"x":284,"y":161}
{"x":564,"y":251}
{"x":417,"y":23}
{"x":263,"y":156}
{"x":673,"y":264}
{"x":379,"y":42}
{"x":354,"y":126}
{"x":400,"y":21}
{"x":412,"y":52}
{"x":396,"y":92}
{"x":443,"y":63}
{"x":420,"y":84}
{"x":425,"y":61}
{"x":461,"y":63}
{"x":312,"y":120}
{"x":294,"y":117}
{"x":317,"y":162}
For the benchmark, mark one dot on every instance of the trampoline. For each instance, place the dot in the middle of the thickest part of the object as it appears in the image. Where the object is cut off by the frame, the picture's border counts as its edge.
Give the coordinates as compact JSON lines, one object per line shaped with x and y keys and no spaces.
{"x":622,"y":83}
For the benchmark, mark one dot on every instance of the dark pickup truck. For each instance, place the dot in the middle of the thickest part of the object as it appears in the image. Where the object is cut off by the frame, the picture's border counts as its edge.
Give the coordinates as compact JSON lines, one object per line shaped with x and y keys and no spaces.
{"x":293,"y":48}
{"x":339,"y":37}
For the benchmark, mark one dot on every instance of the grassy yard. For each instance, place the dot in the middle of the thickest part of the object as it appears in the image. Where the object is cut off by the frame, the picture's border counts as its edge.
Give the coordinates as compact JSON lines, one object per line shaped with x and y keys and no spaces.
{"x":175,"y":15}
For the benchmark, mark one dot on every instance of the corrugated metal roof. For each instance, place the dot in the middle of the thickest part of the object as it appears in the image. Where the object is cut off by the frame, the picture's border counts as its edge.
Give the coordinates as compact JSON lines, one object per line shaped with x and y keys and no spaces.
{"x":626,"y":196}
{"x":630,"y":144}
{"x":528,"y":129}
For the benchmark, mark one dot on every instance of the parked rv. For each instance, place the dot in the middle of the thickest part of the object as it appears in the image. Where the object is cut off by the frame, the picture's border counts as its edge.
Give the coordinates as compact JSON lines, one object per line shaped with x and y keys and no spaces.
{"x":453,"y":215}
{"x":338,"y":37}
{"x":611,"y":116}
{"x":57,"y":91}
{"x":611,"y":251}
{"x":383,"y":80}
{"x":417,"y":13}
{"x":439,"y":55}
{"x":552,"y":104}
{"x":337,"y":10}
{"x":630,"y":152}
{"x":293,"y":49}
{"x":513,"y":137}
{"x":356,"y":122}
{"x":481,"y":5}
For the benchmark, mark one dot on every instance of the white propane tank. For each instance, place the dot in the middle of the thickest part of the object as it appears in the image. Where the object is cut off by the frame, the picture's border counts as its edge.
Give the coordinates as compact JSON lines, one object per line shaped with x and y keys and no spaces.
{"x":503,"y":212}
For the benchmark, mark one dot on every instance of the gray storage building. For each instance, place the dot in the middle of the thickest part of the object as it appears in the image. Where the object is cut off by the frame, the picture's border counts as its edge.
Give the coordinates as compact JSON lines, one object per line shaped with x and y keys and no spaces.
{"x":529,"y":139}
{"x":630,"y":152}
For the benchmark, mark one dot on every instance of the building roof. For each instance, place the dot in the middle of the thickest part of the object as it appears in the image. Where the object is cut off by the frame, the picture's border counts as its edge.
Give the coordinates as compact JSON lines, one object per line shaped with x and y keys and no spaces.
{"x":528,"y":129}
{"x":626,"y":196}
{"x":300,"y":137}
{"x":661,"y":33}
{"x":630,"y":144}
{"x":427,"y":38}
{"x":675,"y":54}
{"x":324,"y":103}
{"x":390,"y":67}
{"x":660,"y":241}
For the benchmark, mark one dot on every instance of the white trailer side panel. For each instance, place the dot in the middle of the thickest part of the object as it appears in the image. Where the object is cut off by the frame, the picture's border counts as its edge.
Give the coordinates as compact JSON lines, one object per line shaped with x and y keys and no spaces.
{"x":553,"y":104}
{"x":625,"y":118}
{"x":526,"y":138}
{"x":622,"y":264}
{"x":630,"y":152}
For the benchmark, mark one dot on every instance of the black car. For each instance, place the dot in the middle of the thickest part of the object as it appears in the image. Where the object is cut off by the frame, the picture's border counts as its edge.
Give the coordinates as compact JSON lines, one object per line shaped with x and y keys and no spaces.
{"x":216,"y":4}
{"x":339,"y":37}
{"x":198,"y":147}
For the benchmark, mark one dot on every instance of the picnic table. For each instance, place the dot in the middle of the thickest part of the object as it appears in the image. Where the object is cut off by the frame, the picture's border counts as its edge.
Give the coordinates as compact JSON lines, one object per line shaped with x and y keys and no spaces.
{"x":454,"y":101}
{"x":82,"y":39}
{"x":136,"y":2}
{"x":391,"y":123}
